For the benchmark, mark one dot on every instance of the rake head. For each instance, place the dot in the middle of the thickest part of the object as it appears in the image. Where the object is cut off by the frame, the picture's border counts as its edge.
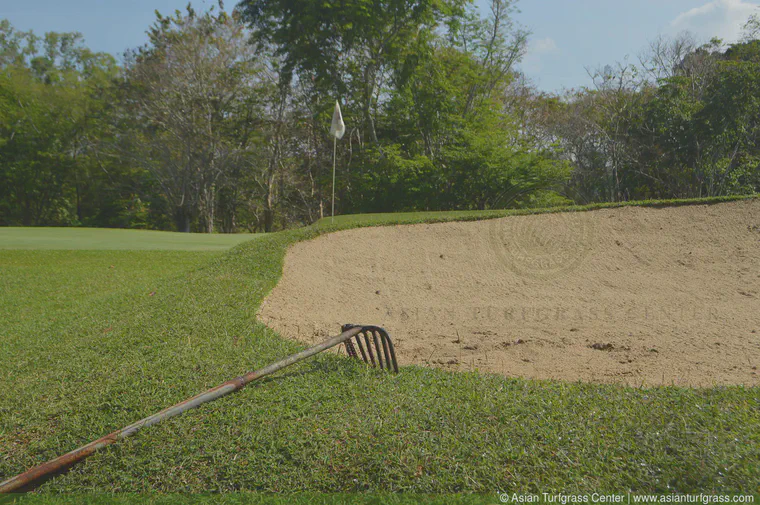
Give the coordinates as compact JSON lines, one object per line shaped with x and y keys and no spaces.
{"x":374,"y":345}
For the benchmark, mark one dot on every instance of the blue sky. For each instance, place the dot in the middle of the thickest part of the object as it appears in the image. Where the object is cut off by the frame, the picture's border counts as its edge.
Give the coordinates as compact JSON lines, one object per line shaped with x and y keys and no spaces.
{"x":568,"y":35}
{"x":571,"y":35}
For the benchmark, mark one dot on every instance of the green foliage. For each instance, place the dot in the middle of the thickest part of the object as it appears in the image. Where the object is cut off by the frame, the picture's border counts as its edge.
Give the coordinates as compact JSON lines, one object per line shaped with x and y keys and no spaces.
{"x":448,"y":146}
{"x":53,"y":98}
{"x":708,"y":144}
{"x":134,"y":212}
{"x":194,"y":88}
{"x":692,"y":133}
{"x":387,"y":181}
{"x":317,"y":37}
{"x":203,"y":131}
{"x":433,"y":136}
{"x":34,"y":165}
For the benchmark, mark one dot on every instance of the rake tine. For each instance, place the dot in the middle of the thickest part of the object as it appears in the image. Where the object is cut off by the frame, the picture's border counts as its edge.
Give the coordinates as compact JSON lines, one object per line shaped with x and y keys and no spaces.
{"x":384,"y":340}
{"x":386,"y":353}
{"x":388,"y":346}
{"x":377,"y":349}
{"x":369,"y":347}
{"x":350,"y":348}
{"x":361,"y":348}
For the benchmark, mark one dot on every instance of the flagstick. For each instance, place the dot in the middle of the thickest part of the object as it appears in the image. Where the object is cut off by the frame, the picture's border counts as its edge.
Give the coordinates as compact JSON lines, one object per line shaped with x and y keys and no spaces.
{"x":335,"y":148}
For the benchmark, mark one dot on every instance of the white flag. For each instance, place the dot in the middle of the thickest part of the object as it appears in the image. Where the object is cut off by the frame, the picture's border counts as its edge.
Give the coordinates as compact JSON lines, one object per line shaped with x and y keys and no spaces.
{"x":337,"y":128}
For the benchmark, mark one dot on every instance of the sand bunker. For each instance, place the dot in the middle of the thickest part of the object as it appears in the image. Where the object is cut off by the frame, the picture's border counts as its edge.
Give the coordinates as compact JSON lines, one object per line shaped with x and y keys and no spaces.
{"x":639,"y":296}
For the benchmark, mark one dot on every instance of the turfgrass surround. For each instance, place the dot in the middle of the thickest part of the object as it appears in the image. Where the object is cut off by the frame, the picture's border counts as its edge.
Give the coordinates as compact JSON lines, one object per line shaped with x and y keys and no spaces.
{"x":329,"y":424}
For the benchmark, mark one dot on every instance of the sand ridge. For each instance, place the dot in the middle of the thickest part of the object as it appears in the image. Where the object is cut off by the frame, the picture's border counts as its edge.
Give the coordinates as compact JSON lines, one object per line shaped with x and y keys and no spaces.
{"x":633,"y":295}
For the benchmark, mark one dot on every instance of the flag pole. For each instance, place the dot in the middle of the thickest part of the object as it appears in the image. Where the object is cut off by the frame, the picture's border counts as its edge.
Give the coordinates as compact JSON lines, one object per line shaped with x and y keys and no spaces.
{"x":335,"y":148}
{"x":337,"y":129}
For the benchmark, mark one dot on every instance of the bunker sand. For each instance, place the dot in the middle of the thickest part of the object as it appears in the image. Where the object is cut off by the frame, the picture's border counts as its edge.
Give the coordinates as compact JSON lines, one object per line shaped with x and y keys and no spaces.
{"x":636,"y":296}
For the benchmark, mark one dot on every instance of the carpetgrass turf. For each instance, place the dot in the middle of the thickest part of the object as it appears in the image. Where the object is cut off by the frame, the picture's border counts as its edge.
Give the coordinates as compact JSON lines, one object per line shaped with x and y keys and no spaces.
{"x":360,"y":220}
{"x":253,"y":498}
{"x":94,"y":353}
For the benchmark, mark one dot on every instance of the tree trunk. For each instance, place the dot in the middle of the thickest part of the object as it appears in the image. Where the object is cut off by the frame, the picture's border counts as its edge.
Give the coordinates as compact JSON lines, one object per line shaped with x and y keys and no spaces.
{"x":227,"y":209}
{"x":369,"y":90}
{"x":210,"y":208}
{"x":78,"y":194}
{"x":182,"y":220}
{"x":26,"y":217}
{"x":268,"y":220}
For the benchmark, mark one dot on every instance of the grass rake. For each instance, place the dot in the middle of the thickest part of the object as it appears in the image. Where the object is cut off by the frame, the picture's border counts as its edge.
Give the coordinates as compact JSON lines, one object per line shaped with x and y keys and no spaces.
{"x":384,"y":356}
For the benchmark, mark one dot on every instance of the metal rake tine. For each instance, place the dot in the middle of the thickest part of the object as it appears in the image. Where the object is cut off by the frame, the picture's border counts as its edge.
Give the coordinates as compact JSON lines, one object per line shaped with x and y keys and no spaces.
{"x":386,"y":352}
{"x":369,"y":347}
{"x":350,"y":348}
{"x":361,"y":348}
{"x":383,"y":340}
{"x":377,"y":349}
{"x":388,"y":346}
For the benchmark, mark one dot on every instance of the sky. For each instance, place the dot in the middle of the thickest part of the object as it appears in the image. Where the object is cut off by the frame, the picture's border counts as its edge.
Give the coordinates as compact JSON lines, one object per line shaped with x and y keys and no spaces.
{"x":568,"y":36}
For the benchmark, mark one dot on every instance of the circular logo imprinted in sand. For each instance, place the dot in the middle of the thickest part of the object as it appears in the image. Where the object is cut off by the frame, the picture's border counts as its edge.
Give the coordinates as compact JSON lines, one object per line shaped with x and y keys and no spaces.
{"x":542,"y":246}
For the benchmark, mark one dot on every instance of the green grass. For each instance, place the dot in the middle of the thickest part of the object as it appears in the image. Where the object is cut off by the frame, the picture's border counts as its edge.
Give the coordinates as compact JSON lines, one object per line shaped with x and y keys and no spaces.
{"x":93,"y":351}
{"x":115,"y":239}
{"x":249,"y":498}
{"x":359,"y":220}
{"x":41,"y":290}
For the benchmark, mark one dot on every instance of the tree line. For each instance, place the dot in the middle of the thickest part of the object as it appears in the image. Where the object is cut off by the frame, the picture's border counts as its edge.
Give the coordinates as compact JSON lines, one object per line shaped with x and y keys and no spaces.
{"x":220,"y":121}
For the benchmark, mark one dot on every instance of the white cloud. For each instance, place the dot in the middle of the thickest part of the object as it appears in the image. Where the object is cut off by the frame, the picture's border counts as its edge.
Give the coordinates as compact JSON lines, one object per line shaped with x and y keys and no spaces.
{"x":542,"y":46}
{"x":719,"y":18}
{"x":537,"y":49}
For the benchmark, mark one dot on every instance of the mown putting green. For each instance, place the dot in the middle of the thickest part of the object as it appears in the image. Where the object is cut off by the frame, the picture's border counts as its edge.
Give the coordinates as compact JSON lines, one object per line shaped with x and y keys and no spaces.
{"x":116,"y":239}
